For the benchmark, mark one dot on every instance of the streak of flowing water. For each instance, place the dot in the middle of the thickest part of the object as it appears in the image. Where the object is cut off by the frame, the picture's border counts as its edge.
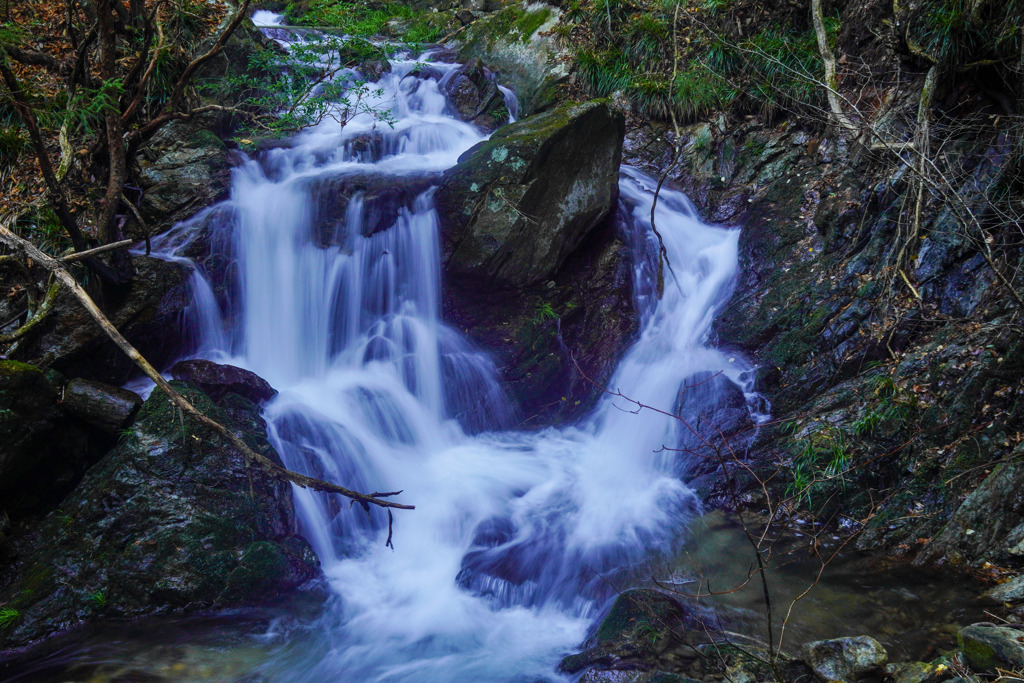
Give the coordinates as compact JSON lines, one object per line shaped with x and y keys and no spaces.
{"x":517,"y":536}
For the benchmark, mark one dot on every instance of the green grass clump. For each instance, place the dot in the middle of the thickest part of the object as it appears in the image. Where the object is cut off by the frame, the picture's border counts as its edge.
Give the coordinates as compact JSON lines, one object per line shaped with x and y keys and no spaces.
{"x":8,"y":618}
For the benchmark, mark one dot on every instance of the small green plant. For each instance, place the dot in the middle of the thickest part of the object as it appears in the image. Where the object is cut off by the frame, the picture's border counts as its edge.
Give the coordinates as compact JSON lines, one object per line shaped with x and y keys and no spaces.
{"x":819,"y":467}
{"x":8,"y":618}
{"x":98,"y":599}
{"x":544,"y":312}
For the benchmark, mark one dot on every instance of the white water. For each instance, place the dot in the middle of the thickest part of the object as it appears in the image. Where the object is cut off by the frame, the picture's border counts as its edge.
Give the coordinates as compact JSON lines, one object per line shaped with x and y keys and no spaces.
{"x":517,"y":537}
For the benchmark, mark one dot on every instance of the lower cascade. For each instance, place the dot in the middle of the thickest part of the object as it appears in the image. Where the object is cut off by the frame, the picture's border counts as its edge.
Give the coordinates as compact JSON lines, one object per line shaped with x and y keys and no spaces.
{"x":519,"y":539}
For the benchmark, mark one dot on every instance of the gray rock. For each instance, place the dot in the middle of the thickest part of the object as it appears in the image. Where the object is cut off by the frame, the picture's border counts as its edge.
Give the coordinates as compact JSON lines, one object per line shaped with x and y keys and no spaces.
{"x":516,"y":43}
{"x":516,"y":205}
{"x":1011,"y":591}
{"x":990,"y":647}
{"x":845,"y":659}
{"x":104,"y":406}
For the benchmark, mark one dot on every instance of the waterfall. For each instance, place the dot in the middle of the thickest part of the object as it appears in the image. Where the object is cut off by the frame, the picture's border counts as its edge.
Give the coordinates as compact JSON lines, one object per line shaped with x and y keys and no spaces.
{"x":517,"y":537}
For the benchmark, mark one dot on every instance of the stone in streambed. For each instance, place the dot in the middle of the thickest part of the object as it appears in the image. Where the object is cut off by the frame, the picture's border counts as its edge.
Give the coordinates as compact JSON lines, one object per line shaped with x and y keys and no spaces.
{"x":104,"y":406}
{"x":916,"y":672}
{"x":845,"y":659}
{"x":988,"y":648}
{"x":1011,"y":591}
{"x":217,"y":380}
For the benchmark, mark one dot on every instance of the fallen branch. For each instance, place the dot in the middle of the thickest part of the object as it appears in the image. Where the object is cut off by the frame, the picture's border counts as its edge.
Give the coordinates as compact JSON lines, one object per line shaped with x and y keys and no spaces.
{"x":79,"y":255}
{"x":269,"y":466}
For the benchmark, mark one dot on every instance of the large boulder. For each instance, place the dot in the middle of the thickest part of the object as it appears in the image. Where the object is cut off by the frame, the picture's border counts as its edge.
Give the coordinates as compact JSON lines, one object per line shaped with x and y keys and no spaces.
{"x":173,"y":519}
{"x":517,"y":204}
{"x":217,"y":380}
{"x":43,"y":453}
{"x":636,"y":621}
{"x":537,"y":271}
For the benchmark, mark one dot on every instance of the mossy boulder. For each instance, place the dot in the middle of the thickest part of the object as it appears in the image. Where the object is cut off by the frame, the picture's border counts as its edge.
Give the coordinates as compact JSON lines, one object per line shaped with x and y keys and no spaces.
{"x":536,"y":268}
{"x":989,"y":648}
{"x":636,"y":621}
{"x":172,"y":520}
{"x":517,"y":204}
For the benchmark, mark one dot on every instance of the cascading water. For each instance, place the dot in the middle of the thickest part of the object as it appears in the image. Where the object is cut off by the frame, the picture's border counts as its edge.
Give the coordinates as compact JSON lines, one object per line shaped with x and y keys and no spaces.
{"x":516,"y":537}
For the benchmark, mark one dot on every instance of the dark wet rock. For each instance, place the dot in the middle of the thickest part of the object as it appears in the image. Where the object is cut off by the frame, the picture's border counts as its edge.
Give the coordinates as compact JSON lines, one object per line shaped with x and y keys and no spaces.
{"x":374,"y":69}
{"x":474,"y":96}
{"x":383,"y":198}
{"x":583,"y":316}
{"x":845,"y":659}
{"x":173,"y":519}
{"x":636,"y":620}
{"x":104,"y":406}
{"x":218,"y":380}
{"x":42,"y":452}
{"x":989,"y":647}
{"x":517,"y":204}
{"x":184,"y":169}
{"x":538,"y":293}
{"x":147,"y":311}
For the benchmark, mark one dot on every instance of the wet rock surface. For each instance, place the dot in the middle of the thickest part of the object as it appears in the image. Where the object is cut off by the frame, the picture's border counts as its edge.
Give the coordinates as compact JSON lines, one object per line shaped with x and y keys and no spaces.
{"x":989,"y":647}
{"x":845,"y":659}
{"x":147,"y":311}
{"x":171,"y":520}
{"x":217,"y":380}
{"x":532,"y":277}
{"x":517,"y":204}
{"x":107,"y":407}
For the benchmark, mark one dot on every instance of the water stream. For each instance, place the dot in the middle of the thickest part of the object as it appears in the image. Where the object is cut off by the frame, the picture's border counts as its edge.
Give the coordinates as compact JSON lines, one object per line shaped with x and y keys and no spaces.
{"x":518,"y":538}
